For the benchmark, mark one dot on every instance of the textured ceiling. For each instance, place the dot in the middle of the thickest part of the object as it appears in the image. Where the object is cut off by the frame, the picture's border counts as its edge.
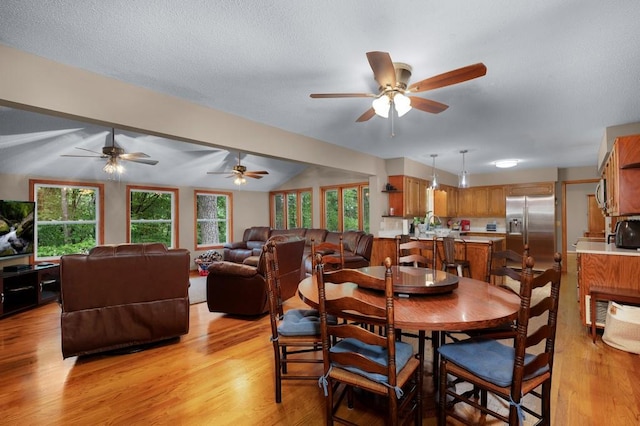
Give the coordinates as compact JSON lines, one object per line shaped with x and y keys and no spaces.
{"x":558,"y":71}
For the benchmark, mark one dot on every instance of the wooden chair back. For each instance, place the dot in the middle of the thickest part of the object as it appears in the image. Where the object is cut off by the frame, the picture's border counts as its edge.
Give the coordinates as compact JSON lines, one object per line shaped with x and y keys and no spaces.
{"x":527,"y":338}
{"x":412,"y":252}
{"x":332,"y":254}
{"x":361,"y":317}
{"x":504,"y":264}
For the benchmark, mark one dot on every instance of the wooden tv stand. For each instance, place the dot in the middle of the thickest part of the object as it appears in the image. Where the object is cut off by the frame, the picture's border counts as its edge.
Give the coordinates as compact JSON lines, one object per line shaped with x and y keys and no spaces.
{"x":27,"y":288}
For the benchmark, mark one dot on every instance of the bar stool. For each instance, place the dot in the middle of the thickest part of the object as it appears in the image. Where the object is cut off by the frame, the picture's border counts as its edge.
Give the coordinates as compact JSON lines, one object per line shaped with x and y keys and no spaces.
{"x":449,"y":262}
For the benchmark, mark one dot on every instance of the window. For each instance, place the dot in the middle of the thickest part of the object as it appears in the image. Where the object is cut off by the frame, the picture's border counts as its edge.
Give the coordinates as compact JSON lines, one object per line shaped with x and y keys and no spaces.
{"x":345,"y":207}
{"x":68,"y":217}
{"x":291,"y":209}
{"x":153,"y":215}
{"x":213,"y":219}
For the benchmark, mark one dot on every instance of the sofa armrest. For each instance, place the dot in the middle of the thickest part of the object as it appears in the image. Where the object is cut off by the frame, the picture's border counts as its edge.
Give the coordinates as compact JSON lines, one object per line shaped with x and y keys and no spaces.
{"x":231,"y":268}
{"x":235,"y":245}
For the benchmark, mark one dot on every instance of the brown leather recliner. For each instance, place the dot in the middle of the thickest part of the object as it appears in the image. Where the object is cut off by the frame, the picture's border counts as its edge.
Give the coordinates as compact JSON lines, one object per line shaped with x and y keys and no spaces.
{"x":123,"y":295}
{"x":241,"y":289}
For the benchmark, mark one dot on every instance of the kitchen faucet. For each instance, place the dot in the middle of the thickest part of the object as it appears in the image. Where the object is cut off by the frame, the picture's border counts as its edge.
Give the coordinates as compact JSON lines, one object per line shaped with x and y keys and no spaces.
{"x":435,"y":219}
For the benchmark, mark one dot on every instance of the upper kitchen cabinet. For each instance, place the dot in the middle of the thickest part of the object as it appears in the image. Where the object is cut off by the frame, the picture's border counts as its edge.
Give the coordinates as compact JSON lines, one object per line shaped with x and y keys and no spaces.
{"x":445,"y":201}
{"x":496,"y":200}
{"x":622,"y":177}
{"x":410,"y":199}
{"x":481,"y":201}
{"x":538,"y":188}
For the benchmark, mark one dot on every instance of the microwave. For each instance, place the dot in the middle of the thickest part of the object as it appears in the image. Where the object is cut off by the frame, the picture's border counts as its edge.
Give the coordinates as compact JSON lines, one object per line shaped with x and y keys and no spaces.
{"x":601,"y":194}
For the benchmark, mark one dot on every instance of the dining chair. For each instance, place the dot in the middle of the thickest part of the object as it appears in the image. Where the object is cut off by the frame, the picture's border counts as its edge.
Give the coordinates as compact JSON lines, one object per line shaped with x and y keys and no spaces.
{"x":508,"y":371}
{"x":332,"y":254}
{"x":449,"y":260}
{"x":355,"y":357}
{"x":294,"y":333}
{"x":412,"y":252}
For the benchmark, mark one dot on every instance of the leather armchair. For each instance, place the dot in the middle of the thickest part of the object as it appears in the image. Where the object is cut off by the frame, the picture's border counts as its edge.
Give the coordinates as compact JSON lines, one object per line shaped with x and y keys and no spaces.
{"x":123,"y":295}
{"x":241,"y":289}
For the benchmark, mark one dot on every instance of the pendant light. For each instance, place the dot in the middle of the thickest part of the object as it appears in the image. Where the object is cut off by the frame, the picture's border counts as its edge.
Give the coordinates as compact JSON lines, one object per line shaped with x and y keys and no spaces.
{"x":463,"y":177}
{"x":434,"y":176}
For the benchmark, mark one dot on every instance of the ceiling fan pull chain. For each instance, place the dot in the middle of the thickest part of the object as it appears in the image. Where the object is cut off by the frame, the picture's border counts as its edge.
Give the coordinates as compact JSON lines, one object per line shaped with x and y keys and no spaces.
{"x":392,"y":110}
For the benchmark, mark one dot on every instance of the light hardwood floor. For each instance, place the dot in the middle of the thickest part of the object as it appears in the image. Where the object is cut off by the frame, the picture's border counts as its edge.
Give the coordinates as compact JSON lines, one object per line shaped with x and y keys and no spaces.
{"x":221,"y":373}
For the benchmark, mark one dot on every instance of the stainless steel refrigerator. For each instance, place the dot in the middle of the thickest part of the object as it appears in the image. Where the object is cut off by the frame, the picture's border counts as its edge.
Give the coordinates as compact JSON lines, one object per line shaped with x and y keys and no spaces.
{"x":531,"y":220}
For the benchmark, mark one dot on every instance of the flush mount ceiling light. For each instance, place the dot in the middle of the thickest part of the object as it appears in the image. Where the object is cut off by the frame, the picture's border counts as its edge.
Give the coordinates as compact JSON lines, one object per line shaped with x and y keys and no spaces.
{"x":434,"y":176}
{"x":463,"y":177}
{"x":505,"y":164}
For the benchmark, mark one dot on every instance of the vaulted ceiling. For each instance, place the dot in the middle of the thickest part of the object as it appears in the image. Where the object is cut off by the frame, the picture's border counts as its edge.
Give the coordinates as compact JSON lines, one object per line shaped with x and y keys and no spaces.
{"x":558,"y":73}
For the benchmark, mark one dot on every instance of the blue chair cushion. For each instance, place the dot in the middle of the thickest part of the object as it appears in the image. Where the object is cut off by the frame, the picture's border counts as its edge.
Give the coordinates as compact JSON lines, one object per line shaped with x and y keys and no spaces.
{"x":302,"y":322}
{"x":377,"y":354}
{"x":487,"y":359}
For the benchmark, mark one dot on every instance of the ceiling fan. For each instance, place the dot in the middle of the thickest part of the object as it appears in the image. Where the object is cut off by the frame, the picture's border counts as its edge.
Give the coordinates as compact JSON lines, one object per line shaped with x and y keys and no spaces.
{"x":239,"y":172}
{"x":393,"y":79}
{"x":113,"y":154}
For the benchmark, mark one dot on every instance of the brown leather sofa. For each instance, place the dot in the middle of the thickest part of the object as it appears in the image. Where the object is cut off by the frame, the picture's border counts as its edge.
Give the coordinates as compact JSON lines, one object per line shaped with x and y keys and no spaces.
{"x":241,"y":289}
{"x":124,"y":295}
{"x":357,"y":245}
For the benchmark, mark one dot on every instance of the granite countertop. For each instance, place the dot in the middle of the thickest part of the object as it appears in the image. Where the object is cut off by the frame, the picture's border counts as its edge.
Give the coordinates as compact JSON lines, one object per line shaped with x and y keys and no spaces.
{"x":483,"y":240}
{"x":599,"y":247}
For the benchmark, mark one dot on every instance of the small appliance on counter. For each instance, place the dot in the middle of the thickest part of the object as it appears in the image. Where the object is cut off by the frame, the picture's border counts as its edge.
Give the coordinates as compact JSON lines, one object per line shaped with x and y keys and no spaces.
{"x":465,"y":225}
{"x":628,"y":234}
{"x":492,"y":227}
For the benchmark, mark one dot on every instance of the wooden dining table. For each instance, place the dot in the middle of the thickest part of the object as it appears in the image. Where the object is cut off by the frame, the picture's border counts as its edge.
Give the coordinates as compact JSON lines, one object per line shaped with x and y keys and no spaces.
{"x":474,"y":304}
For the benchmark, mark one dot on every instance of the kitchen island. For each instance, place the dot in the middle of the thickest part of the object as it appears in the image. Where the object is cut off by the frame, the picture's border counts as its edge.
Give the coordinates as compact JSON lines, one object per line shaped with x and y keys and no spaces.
{"x":478,"y":249}
{"x":607,"y":267}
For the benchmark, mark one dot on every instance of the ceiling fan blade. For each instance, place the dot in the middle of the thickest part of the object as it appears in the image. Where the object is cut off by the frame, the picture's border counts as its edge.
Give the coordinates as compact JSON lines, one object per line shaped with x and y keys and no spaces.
{"x":383,"y":69}
{"x":427,"y":105}
{"x":140,"y":160}
{"x":95,"y":152}
{"x":82,"y":156}
{"x":233,"y":172}
{"x":448,"y":78}
{"x":368,"y":114}
{"x":342,"y":95}
{"x":253,"y":176}
{"x":257,"y":172}
{"x":133,"y":155}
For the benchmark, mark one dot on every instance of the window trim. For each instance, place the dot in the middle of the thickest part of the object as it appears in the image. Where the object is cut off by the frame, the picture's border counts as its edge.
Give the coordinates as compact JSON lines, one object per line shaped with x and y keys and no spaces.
{"x":229,"y":218}
{"x":62,"y":183}
{"x":358,"y":186}
{"x":285,"y":193}
{"x":175,"y":216}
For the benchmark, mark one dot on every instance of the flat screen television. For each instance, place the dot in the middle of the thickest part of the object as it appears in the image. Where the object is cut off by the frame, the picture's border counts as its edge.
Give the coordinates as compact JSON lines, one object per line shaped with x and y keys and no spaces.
{"x":17,"y":221}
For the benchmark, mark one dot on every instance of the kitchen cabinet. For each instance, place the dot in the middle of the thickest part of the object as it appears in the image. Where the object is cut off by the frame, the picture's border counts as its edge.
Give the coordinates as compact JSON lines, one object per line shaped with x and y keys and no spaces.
{"x":496,"y":201}
{"x":410,"y":197}
{"x":600,"y":266}
{"x":452,"y":201}
{"x":481,"y":201}
{"x":622,"y":174}
{"x":536,"y":188}
{"x":440,"y":203}
{"x":445,"y":201}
